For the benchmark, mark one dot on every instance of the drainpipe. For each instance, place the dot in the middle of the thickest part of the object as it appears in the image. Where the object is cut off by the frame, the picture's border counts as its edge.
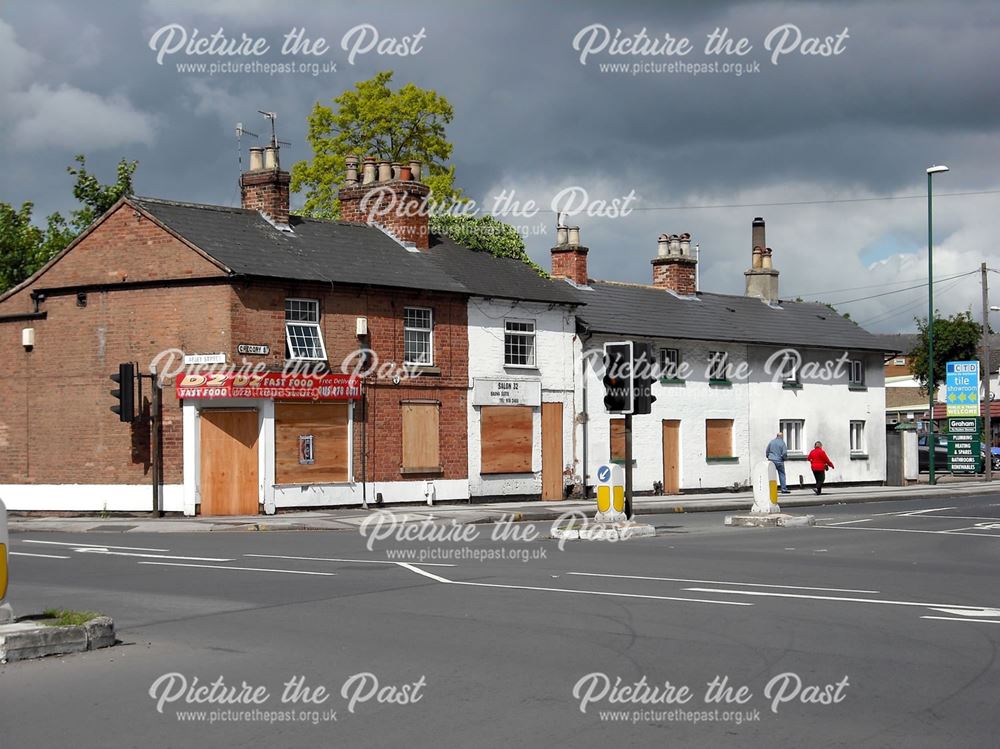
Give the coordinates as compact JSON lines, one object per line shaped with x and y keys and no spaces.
{"x":587,"y":335}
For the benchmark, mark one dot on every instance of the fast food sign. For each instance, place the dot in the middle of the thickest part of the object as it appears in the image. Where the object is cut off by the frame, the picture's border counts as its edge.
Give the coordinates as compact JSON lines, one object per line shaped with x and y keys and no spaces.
{"x":277,"y":385}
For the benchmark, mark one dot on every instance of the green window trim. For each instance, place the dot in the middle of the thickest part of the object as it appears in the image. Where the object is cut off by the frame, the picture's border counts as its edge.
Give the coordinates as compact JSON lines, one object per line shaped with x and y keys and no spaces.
{"x":672,"y":381}
{"x":720,"y":383}
{"x":859,"y":456}
{"x":789,"y":385}
{"x":723,"y":459}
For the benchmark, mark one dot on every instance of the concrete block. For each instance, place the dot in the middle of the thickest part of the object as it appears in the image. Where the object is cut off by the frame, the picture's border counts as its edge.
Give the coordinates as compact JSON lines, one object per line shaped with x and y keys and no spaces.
{"x":772,"y":520}
{"x":636,"y":530}
{"x":36,"y":641}
{"x":100,"y":632}
{"x":567,"y":535}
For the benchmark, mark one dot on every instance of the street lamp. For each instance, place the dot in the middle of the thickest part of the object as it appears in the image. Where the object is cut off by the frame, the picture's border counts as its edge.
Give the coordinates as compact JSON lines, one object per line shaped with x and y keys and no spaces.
{"x":931,"y":446}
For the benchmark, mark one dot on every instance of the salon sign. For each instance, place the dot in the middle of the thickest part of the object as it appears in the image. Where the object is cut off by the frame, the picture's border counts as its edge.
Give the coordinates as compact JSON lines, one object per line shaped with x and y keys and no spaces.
{"x":506,"y":392}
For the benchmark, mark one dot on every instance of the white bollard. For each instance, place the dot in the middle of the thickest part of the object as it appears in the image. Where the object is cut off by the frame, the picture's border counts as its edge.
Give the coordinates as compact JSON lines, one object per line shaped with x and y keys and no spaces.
{"x":765,"y":488}
{"x":610,"y":494}
{"x":6,"y":612}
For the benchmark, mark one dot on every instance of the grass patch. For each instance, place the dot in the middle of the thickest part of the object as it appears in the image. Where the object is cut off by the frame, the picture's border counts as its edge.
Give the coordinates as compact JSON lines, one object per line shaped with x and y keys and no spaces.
{"x":65,"y":617}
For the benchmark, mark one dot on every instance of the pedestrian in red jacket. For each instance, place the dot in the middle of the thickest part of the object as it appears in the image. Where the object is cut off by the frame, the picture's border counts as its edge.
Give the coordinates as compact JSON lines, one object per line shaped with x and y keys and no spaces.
{"x":819,"y":461}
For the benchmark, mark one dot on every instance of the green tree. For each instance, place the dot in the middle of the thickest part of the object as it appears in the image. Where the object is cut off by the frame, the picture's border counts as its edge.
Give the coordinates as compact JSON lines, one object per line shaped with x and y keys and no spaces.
{"x":373,"y":120}
{"x":485,"y":234}
{"x":24,"y":247}
{"x":956,"y":338}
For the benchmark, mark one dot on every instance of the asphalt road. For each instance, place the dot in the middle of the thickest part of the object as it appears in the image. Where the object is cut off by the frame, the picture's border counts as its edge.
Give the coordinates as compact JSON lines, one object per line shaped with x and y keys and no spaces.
{"x":889,"y":613}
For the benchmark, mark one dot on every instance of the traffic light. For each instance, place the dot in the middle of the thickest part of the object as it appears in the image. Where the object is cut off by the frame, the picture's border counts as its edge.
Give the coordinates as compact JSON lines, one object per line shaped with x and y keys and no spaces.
{"x":643,"y":368}
{"x":125,"y":392}
{"x":618,"y":379}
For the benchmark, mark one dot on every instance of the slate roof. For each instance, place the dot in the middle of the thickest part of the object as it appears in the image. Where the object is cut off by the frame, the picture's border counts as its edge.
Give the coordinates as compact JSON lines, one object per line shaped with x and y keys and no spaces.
{"x":901,"y":343}
{"x":635,"y":310}
{"x":339,"y":252}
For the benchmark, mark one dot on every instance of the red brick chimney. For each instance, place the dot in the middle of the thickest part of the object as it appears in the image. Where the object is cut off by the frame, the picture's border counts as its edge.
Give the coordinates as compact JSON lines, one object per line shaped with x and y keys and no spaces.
{"x":569,"y":257}
{"x":390,"y":195}
{"x":674,"y":267}
{"x":264,"y":187}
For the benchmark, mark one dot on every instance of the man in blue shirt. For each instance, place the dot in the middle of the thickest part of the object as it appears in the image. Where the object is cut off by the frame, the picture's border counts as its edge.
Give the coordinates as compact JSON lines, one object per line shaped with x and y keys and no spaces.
{"x":776,"y":452}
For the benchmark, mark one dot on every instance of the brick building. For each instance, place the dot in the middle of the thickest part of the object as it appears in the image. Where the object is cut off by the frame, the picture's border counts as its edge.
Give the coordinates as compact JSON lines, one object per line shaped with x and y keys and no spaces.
{"x":292,"y":302}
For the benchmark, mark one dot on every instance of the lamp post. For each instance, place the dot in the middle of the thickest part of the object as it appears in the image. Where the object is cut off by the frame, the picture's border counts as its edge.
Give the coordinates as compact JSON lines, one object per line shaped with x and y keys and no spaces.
{"x":931,"y":446}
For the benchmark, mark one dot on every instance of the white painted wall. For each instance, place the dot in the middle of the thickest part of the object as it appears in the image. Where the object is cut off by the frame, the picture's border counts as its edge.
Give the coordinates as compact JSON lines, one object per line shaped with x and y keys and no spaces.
{"x":554,"y":342}
{"x":90,"y":497}
{"x":755,"y":403}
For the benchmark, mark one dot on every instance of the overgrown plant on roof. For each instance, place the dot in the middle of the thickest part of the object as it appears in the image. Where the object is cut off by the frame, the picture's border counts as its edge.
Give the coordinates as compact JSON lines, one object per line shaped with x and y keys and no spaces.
{"x":484,"y":234}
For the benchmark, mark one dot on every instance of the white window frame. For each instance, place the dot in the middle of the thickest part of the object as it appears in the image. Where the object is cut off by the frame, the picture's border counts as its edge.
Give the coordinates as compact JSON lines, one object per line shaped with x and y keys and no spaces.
{"x":428,"y":330}
{"x":664,"y":357}
{"x":899,"y":361}
{"x":718,"y":365}
{"x":532,"y":334}
{"x":788,"y":428}
{"x":856,"y":373}
{"x":789,"y":369}
{"x":858,"y":446}
{"x":314,"y":324}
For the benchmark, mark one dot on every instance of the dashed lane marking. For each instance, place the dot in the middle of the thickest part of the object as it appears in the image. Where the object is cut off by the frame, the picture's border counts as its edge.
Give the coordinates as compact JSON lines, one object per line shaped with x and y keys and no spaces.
{"x":720,"y":582}
{"x":43,"y":556}
{"x":337,"y":559}
{"x":85,"y":546}
{"x":241,"y":569}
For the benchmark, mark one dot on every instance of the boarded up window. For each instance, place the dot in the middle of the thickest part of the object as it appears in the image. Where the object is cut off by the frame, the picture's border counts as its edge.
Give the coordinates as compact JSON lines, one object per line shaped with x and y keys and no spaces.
{"x":420,"y":437}
{"x":617,"y":439}
{"x":505,"y":436}
{"x":718,"y":438}
{"x":328,"y":424}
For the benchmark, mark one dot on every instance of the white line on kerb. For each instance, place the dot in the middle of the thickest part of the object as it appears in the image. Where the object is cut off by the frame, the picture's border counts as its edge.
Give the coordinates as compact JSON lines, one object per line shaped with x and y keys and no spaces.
{"x":837,"y":598}
{"x":335,"y":559}
{"x":44,"y":556}
{"x":848,"y":522}
{"x":242,"y":569}
{"x":440,"y":579}
{"x":96,"y":546}
{"x":719,"y":582}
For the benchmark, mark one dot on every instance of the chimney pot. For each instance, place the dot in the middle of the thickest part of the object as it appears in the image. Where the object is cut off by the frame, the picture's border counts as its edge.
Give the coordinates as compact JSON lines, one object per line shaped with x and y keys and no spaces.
{"x":663,"y":245}
{"x":415,"y":170}
{"x":352,"y":169}
{"x":573,"y":236}
{"x":270,"y":157}
{"x":562,"y":234}
{"x":256,"y":158}
{"x":675,"y":245}
{"x":384,"y":171}
{"x":397,"y":170}
{"x":369,"y":170}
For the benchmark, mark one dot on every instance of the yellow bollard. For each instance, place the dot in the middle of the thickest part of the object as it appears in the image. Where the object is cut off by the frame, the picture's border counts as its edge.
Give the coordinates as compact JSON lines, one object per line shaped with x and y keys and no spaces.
{"x":6,"y":613}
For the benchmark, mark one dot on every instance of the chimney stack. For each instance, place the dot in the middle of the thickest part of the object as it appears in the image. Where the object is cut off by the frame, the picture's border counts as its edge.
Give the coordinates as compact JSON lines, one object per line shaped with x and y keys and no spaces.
{"x":569,"y":257}
{"x":264,"y":186}
{"x":390,"y":196}
{"x":674,"y":268}
{"x":762,"y":278}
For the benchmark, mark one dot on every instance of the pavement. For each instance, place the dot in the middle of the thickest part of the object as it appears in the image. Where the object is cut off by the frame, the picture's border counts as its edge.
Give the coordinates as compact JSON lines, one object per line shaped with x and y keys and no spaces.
{"x":351,"y":518}
{"x":878,"y":627}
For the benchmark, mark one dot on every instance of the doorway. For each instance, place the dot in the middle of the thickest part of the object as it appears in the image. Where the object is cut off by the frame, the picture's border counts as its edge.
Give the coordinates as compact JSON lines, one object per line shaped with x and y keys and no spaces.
{"x":228,"y":462}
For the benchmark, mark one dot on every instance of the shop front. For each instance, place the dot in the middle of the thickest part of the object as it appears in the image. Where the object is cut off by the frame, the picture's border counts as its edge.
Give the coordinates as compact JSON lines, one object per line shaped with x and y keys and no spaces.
{"x":257,"y":442}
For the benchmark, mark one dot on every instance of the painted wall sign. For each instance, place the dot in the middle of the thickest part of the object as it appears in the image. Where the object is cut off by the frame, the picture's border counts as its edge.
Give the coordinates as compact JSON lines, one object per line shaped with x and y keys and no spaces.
{"x":331,"y":387}
{"x":204,"y":359}
{"x":258,"y":349}
{"x":506,"y":393}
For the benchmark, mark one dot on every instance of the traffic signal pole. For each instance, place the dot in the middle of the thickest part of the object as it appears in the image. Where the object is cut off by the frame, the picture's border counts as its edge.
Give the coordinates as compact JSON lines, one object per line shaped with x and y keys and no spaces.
{"x":628,"y":466}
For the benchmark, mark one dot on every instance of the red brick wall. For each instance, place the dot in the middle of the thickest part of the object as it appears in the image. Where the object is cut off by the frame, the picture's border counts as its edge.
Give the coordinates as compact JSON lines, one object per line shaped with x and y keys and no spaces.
{"x":266,"y":192}
{"x":258,"y":317}
{"x":404,"y":214}
{"x":571,"y":264}
{"x":675,"y":274}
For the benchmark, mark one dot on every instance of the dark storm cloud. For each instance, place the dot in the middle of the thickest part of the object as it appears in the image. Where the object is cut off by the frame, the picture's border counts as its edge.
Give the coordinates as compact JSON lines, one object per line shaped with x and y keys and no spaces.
{"x":914,"y":85}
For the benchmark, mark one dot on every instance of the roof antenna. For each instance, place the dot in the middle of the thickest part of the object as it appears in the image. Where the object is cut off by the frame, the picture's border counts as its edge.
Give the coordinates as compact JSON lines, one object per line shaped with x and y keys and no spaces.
{"x":240,"y":132}
{"x":275,"y":143}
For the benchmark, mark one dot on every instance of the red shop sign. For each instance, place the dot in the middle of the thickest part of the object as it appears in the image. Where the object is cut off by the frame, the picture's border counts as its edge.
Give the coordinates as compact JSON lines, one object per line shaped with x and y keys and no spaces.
{"x":326,"y":387}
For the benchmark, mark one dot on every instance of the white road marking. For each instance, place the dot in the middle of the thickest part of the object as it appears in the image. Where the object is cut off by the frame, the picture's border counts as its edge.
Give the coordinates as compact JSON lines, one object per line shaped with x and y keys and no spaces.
{"x":45,"y":556}
{"x":440,"y":579}
{"x":242,"y":569}
{"x":924,"y":512}
{"x":957,"y":517}
{"x":719,"y":582}
{"x":907,"y":530}
{"x":848,"y":522}
{"x":934,"y":606}
{"x":970,"y":612}
{"x":335,"y":559}
{"x":957,"y":619}
{"x":92,"y":546}
{"x":105,"y":552}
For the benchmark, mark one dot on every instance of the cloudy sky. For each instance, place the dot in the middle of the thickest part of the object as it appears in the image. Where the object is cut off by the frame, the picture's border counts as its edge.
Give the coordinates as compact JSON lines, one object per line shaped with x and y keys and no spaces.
{"x":830,"y":148}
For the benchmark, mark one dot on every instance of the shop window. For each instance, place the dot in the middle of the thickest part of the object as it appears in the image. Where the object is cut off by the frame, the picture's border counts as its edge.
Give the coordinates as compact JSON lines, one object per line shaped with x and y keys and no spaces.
{"x":418,"y":335}
{"x":505,"y":437}
{"x":718,"y":438}
{"x":421,"y":437}
{"x":303,"y":338}
{"x":519,"y":343}
{"x":312,"y":443}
